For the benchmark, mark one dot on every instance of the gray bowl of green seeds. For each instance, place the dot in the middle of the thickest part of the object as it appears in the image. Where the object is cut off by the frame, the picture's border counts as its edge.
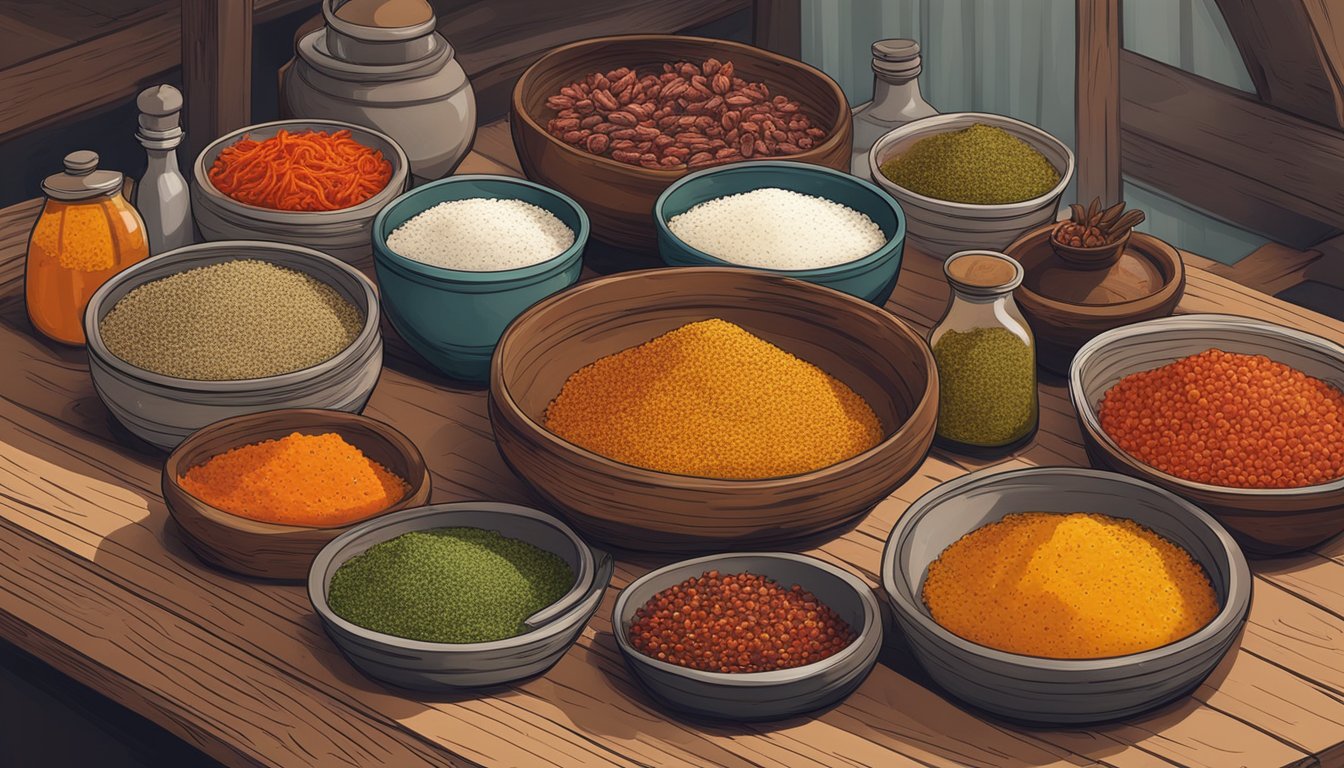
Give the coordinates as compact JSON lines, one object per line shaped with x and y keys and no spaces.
{"x":457,"y":596}
{"x":215,"y":330}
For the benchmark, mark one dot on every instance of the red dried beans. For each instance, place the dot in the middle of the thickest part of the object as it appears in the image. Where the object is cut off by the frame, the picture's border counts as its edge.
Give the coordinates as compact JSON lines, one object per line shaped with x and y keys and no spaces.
{"x":688,"y":116}
{"x":737,"y":623}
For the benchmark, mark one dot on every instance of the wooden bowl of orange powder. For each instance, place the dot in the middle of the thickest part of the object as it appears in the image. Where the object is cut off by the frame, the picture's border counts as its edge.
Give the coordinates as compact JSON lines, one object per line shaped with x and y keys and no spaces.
{"x":681,"y":409}
{"x":1243,"y":417}
{"x":261,"y":494}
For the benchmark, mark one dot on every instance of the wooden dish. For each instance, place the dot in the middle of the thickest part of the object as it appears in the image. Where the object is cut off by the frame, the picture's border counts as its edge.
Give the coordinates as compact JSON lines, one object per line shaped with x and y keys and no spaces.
{"x":869,"y":349}
{"x":1094,"y":257}
{"x":619,"y":197}
{"x":1265,"y":521}
{"x":1067,"y":301}
{"x":1046,"y":692}
{"x":267,"y":550}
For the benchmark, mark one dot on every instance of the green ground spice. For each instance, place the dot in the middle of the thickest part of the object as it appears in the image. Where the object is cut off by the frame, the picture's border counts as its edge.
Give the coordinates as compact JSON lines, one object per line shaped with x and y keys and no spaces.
{"x":450,"y":585}
{"x":987,"y":386}
{"x":981,"y":164}
{"x":244,"y":319}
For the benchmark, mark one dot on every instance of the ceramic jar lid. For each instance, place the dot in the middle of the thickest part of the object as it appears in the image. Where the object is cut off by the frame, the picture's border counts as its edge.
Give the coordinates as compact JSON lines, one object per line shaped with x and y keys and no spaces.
{"x":82,"y":180}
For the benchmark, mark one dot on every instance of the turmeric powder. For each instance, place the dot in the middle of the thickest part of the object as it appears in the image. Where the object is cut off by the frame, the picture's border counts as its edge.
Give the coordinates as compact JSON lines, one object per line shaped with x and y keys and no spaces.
{"x":310,"y":480}
{"x":710,"y":399}
{"x":1068,"y":586}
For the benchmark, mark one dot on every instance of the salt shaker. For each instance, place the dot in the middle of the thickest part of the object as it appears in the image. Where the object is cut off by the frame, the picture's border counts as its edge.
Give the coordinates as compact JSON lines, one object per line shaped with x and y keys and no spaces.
{"x":896,"y":98}
{"x":161,"y":196}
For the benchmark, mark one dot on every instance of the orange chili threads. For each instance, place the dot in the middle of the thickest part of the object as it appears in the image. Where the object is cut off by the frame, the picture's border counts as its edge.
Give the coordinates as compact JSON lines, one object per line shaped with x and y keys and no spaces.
{"x":317,"y":480}
{"x":737,"y":623}
{"x":306,"y":171}
{"x":1238,"y":421}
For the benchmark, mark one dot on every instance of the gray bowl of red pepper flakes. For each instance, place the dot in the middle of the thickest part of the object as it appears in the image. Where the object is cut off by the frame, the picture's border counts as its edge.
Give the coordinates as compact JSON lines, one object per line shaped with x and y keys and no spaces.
{"x":748,"y":636}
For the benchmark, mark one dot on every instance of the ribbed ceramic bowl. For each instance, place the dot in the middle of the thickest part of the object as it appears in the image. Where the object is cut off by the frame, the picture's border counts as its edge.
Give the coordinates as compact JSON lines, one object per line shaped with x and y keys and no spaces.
{"x":1054,"y":692}
{"x":447,"y":666}
{"x":163,"y":410}
{"x":453,"y":317}
{"x":1266,"y":521}
{"x":870,"y":350}
{"x":758,"y":695}
{"x":870,"y":278}
{"x":940,"y":228}
{"x":271,"y":550}
{"x":342,"y":233}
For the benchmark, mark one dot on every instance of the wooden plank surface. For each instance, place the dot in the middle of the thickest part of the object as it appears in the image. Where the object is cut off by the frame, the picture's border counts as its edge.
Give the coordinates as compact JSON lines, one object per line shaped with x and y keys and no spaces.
{"x":94,"y":580}
{"x":1227,"y":153}
{"x":1097,"y":100}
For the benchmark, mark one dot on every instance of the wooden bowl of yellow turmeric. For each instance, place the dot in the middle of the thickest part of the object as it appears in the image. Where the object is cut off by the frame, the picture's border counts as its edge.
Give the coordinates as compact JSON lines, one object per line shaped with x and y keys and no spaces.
{"x":677,"y":409}
{"x":1060,"y":596}
{"x":260,"y":494}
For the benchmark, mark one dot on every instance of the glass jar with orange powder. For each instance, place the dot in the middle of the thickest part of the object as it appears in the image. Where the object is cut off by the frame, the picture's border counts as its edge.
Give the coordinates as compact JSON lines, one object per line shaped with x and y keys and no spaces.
{"x":87,"y":233}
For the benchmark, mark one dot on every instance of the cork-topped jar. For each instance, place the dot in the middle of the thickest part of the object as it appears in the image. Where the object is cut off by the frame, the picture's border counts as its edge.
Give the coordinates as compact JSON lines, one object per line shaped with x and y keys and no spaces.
{"x":87,"y":233}
{"x":986,"y":358}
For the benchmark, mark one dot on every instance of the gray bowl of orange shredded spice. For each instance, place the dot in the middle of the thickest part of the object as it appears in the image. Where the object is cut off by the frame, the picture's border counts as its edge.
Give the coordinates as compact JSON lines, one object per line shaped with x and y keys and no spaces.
{"x":1060,"y":596}
{"x":771,"y":634}
{"x":457,"y":596}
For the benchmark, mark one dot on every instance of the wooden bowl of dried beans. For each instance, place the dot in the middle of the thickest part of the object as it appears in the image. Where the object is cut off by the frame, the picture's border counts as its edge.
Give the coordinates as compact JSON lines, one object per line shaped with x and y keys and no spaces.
{"x":612,"y":121}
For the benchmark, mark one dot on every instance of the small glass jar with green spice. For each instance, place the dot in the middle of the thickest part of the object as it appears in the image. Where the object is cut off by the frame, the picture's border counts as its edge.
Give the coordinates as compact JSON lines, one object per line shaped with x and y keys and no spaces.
{"x":986,"y":358}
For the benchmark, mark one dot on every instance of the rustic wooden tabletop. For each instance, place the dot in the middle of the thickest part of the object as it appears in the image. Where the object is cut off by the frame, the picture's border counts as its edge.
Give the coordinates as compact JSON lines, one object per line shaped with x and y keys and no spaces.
{"x":94,"y":580}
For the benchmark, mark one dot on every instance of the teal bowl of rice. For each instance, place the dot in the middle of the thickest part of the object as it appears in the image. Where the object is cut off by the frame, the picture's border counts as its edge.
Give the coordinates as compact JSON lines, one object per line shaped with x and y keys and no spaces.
{"x":458,"y":259}
{"x":788,"y":218}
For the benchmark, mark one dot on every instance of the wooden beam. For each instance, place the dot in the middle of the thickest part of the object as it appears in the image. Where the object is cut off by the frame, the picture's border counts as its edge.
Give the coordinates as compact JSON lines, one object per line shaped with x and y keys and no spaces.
{"x":1292,"y":52}
{"x":103,"y":70}
{"x":96,"y":73}
{"x":1229,"y":154}
{"x":777,"y":25}
{"x":1097,"y":100}
{"x":216,"y":69}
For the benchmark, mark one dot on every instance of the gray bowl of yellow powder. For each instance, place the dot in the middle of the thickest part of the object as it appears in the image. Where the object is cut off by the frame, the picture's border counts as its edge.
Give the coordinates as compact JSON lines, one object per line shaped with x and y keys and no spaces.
{"x":1113,"y":565}
{"x":216,"y":330}
{"x":971,"y":180}
{"x":456,"y":574}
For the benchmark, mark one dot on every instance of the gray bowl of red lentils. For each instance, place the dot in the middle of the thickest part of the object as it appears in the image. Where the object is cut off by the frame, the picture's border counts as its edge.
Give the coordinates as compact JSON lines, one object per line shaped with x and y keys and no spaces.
{"x":1241,"y":416}
{"x":748,"y":636}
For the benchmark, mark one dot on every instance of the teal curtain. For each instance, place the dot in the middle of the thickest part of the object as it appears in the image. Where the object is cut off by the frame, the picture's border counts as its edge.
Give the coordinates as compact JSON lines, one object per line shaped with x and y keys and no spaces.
{"x":1017,"y":58}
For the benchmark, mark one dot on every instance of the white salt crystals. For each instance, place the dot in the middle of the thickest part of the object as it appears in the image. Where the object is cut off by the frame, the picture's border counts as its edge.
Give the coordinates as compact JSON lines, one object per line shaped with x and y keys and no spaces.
{"x":481,"y":235}
{"x":778,"y":229}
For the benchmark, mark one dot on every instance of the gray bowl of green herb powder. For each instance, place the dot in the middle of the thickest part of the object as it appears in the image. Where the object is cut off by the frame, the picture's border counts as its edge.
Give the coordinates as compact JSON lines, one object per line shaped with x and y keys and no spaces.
{"x":454,"y":596}
{"x":975,"y":156}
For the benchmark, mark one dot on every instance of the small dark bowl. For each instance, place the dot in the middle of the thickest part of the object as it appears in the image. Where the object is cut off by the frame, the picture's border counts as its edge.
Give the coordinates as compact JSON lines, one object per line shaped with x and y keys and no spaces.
{"x":758,"y":695}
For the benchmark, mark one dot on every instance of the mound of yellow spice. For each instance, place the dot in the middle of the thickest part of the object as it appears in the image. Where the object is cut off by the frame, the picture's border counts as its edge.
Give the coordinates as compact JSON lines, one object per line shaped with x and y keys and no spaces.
{"x":313,"y":480}
{"x":1075,"y":586}
{"x":711,"y":400}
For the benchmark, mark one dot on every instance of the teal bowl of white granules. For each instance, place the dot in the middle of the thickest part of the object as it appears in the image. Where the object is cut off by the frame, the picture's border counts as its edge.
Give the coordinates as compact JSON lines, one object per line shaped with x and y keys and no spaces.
{"x":457,"y":596}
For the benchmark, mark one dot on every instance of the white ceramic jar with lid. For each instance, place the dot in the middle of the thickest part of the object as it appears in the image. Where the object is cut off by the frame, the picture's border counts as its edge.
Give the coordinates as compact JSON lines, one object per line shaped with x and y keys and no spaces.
{"x":391,"y":72}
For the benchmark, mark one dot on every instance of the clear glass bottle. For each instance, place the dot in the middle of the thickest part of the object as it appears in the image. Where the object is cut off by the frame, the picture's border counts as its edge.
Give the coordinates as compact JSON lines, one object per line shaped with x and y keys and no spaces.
{"x":986,"y":357}
{"x":896,"y":98}
{"x":87,"y":233}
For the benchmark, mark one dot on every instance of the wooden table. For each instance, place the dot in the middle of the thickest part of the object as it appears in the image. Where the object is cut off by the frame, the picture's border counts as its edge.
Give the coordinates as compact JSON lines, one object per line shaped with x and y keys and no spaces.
{"x":94,"y":580}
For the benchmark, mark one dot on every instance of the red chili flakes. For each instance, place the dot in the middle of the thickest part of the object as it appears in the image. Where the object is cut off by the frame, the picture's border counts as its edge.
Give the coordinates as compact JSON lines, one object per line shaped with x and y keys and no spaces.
{"x":737,"y":623}
{"x":1237,"y":421}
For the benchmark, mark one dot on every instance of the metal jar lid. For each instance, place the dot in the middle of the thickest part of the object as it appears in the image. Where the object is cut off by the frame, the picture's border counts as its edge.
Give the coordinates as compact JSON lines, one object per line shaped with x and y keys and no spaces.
{"x":82,"y":179}
{"x":897,"y":58}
